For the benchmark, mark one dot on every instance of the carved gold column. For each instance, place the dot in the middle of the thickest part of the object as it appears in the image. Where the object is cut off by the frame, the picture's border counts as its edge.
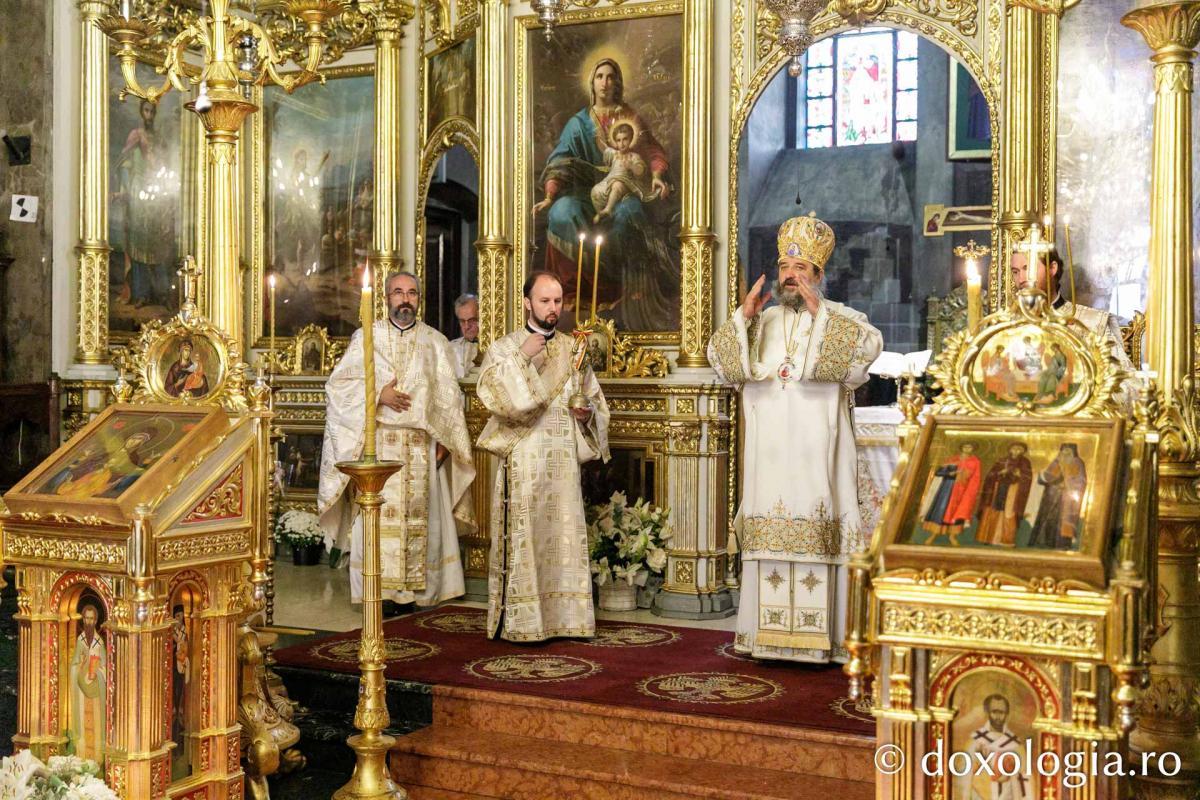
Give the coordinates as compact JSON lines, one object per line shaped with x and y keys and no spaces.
{"x":1022,"y":128}
{"x":93,"y":185}
{"x":494,"y":246}
{"x":137,"y":752}
{"x":389,"y":18}
{"x":696,"y":238}
{"x":222,"y":129}
{"x":1169,"y":715}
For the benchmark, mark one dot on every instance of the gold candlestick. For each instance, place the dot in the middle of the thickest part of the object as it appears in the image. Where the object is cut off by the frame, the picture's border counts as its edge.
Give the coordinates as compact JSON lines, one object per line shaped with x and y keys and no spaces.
{"x":579,"y":279}
{"x":596,"y":274}
{"x":367,"y":314}
{"x":271,"y":324}
{"x":371,"y":780}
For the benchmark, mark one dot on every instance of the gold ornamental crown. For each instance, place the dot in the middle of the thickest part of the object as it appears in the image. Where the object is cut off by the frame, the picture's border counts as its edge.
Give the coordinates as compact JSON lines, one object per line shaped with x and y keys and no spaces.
{"x":807,"y":238}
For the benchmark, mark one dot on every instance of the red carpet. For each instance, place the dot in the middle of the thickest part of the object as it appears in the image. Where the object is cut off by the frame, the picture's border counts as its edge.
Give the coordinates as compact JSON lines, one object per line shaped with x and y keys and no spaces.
{"x":655,"y":667}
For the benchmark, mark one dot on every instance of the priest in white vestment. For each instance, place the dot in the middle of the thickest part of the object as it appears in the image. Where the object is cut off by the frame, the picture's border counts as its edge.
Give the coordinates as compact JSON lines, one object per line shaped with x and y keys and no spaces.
{"x":420,"y":423}
{"x":466,"y":347}
{"x":540,"y":579}
{"x":798,"y":364}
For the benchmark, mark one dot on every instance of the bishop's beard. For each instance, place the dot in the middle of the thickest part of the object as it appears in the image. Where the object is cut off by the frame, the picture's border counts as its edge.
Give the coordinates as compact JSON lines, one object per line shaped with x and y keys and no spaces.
{"x":790,"y":297}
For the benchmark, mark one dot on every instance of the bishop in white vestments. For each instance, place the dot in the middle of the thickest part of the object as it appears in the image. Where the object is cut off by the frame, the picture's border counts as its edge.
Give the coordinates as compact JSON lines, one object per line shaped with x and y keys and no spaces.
{"x":420,"y":423}
{"x":540,"y":580}
{"x":798,"y":364}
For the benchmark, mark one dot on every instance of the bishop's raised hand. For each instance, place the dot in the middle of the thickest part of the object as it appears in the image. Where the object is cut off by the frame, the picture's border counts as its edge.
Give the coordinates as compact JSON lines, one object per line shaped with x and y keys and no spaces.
{"x":756,"y":298}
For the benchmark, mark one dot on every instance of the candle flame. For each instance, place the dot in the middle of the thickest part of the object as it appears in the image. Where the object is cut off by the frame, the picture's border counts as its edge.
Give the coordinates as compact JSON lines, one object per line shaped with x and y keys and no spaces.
{"x":599,"y":240}
{"x":271,"y":280}
{"x":582,"y":236}
{"x":1066,"y":220}
{"x":972,"y":271}
{"x":366,"y":279}
{"x":1046,"y":221}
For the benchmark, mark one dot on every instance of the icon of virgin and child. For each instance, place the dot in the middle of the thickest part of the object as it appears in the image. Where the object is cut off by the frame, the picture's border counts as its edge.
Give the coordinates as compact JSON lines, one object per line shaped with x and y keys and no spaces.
{"x":609,"y":176}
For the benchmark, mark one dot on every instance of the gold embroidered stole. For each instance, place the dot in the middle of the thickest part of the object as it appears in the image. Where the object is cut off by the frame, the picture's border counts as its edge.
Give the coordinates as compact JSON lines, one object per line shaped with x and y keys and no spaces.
{"x":550,"y":382}
{"x":404,"y":522}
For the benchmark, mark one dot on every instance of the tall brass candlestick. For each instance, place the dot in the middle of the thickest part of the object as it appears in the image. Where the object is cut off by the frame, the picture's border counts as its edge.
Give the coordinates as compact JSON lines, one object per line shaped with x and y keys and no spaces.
{"x":371,"y":780}
{"x":579,"y":281}
{"x":271,"y":281}
{"x":596,"y":274}
{"x":367,"y":314}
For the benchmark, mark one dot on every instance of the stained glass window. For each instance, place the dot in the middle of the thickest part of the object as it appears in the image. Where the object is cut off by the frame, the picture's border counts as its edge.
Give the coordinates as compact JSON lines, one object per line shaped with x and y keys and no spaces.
{"x":860,"y":87}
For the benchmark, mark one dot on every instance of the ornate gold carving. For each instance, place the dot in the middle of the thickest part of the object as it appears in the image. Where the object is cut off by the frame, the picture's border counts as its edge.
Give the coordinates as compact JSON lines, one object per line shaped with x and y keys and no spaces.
{"x":1096,"y":371}
{"x":1078,"y":637}
{"x":859,"y":12}
{"x":683,"y":438}
{"x":962,"y":14}
{"x":990,"y":581}
{"x":149,"y":358}
{"x":225,"y":502}
{"x":437,"y":14}
{"x":628,"y":360}
{"x":1167,"y":24}
{"x":195,"y":546}
{"x":93,"y":302}
{"x":85,"y":552}
{"x":64,"y":519}
{"x":685,"y":573}
{"x":636,"y":429}
{"x":685,"y":405}
{"x":637,"y":404}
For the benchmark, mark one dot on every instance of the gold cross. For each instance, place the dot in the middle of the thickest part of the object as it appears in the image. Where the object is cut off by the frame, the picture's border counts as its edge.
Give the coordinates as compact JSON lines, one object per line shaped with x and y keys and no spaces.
{"x":1034,"y":247}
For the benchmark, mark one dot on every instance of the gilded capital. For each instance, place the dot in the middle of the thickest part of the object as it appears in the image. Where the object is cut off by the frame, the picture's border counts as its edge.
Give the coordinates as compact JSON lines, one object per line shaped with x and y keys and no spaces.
{"x":1055,"y":7}
{"x":1167,"y":27}
{"x":92,"y":9}
{"x":387,"y":16}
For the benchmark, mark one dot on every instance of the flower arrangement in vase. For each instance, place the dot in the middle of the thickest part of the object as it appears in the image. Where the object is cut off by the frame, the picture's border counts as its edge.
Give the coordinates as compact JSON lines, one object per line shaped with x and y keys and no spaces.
{"x":627,"y":545}
{"x":302,"y":531}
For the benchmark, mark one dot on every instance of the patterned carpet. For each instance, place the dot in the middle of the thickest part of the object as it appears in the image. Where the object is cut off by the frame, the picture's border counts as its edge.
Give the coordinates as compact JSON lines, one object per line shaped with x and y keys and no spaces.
{"x":656,"y":667}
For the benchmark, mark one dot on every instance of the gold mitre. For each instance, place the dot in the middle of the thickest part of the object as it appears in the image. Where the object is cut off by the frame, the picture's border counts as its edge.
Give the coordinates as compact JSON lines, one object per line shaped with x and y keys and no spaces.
{"x":807,"y":238}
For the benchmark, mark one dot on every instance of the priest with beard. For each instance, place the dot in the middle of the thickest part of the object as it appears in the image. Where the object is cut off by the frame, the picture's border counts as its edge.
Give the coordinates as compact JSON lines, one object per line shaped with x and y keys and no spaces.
{"x":420,"y":423}
{"x":548,"y":416}
{"x":797,"y":364}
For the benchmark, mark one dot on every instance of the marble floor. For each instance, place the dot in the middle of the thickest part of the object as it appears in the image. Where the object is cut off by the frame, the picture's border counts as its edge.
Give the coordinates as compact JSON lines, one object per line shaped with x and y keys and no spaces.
{"x":317,"y":598}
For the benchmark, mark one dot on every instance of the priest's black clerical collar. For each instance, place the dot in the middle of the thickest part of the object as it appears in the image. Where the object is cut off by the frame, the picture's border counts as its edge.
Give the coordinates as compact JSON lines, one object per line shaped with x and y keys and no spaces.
{"x":529,"y":326}
{"x":406,"y":329}
{"x":1059,"y":301}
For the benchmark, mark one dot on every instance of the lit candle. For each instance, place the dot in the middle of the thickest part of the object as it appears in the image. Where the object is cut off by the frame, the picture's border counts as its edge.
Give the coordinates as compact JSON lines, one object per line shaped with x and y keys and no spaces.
{"x":367,"y":313}
{"x":1070,"y":260}
{"x":271,"y":317}
{"x":974,"y":298}
{"x":579,"y":281}
{"x":596,"y":274}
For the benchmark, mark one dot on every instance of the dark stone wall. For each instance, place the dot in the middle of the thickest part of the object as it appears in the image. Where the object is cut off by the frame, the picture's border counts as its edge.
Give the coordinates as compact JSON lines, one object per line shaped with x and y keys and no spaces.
{"x":25,"y":110}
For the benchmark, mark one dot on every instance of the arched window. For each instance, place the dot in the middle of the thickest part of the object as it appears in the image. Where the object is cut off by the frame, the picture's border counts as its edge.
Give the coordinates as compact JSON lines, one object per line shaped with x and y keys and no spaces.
{"x":859,"y":87}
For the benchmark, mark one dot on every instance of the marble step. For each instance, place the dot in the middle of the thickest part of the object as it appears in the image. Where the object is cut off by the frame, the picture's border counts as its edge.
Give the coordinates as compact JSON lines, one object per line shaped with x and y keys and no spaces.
{"x":450,"y":763}
{"x":797,"y":750}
